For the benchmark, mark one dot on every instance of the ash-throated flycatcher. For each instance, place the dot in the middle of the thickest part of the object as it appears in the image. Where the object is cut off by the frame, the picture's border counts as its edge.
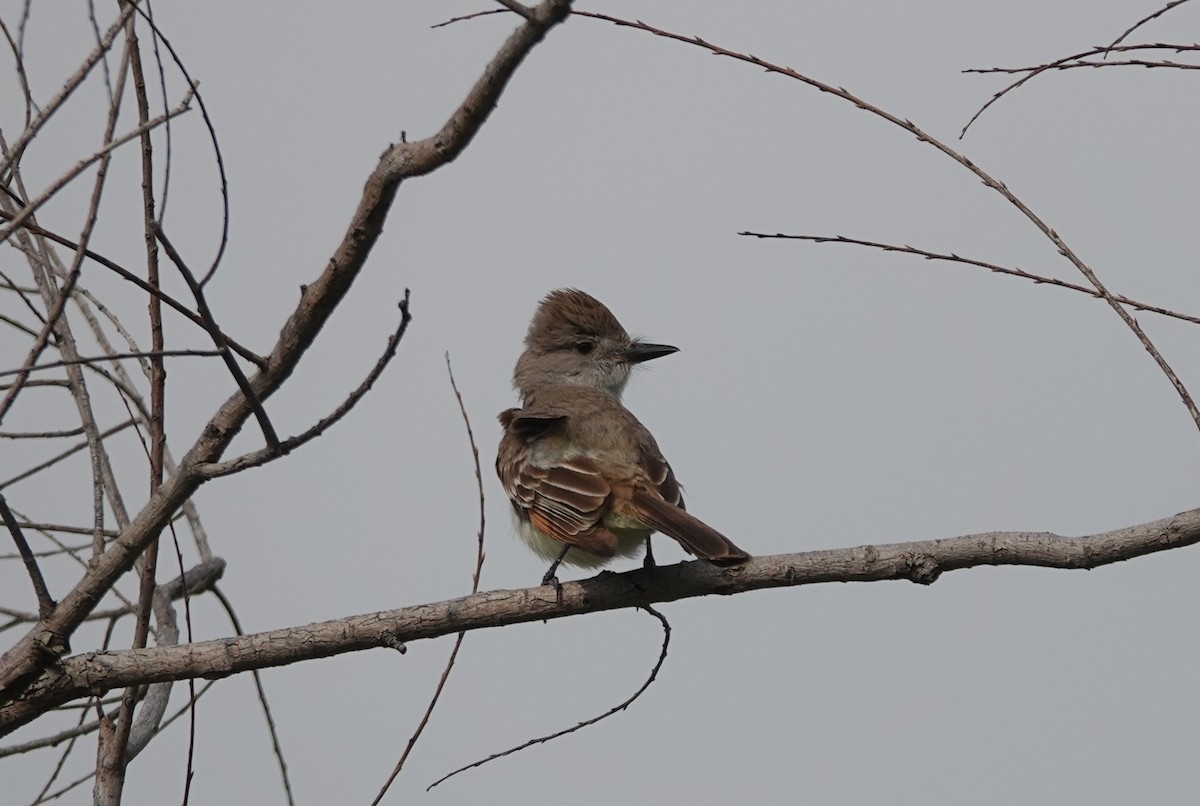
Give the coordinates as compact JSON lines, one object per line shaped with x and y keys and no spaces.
{"x":586,"y":479}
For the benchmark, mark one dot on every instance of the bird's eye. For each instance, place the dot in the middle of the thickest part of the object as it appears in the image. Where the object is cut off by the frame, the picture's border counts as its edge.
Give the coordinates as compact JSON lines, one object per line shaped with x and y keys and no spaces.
{"x":584,"y":347}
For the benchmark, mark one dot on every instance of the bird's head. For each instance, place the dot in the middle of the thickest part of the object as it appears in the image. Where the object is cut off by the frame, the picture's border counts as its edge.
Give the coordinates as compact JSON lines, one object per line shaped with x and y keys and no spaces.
{"x":574,"y":339}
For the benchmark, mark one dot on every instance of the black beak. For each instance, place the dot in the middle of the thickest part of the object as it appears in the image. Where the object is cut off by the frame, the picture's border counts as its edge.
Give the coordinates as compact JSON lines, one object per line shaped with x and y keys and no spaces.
{"x":640,"y":351}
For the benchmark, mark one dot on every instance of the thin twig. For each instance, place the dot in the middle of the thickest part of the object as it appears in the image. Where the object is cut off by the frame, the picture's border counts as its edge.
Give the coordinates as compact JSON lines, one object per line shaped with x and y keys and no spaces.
{"x":276,"y":746}
{"x":662,"y":656}
{"x":1057,"y":63}
{"x":115,"y":758}
{"x":264,"y":455}
{"x":951,"y":257}
{"x":46,"y":798}
{"x":125,"y":274}
{"x":54,"y":187}
{"x":69,"y":86}
{"x":475,"y":15}
{"x":44,"y":600}
{"x":159,"y":36}
{"x":68,"y":432}
{"x":53,"y":460}
{"x":1094,"y":64}
{"x":25,"y":663}
{"x":479,"y":556}
{"x":218,"y":337}
{"x":45,"y":265}
{"x":22,"y":76}
{"x":99,"y":359}
{"x":1141,"y":22}
{"x":924,"y":137}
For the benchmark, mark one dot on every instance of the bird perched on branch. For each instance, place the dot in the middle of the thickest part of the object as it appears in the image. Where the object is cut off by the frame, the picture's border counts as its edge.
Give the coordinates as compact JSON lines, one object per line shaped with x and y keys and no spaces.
{"x":586,"y":480}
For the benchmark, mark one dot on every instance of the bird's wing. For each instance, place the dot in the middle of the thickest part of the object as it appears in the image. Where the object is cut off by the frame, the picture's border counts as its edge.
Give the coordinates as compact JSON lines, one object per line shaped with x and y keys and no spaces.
{"x":658,"y":502}
{"x":660,"y":476}
{"x":564,"y":500}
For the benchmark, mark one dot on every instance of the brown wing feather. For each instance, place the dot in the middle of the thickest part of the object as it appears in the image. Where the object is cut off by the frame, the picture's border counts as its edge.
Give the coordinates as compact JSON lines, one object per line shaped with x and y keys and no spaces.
{"x":659,"y":504}
{"x":564,"y":501}
{"x":693,"y":534}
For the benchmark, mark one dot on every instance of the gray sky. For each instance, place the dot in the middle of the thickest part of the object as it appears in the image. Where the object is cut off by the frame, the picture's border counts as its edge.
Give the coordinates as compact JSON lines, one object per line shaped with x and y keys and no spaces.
{"x":824,"y":396}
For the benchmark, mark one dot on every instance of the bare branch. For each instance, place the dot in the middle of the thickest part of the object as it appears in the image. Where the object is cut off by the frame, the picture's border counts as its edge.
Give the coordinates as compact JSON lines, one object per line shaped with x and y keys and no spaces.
{"x":475,"y":15}
{"x":44,"y":600}
{"x":218,"y":337}
{"x":125,"y":274}
{"x":264,"y":455}
{"x":458,"y":640}
{"x":1089,"y":63}
{"x":71,"y":84}
{"x":100,"y":359}
{"x":924,"y":137}
{"x":53,"y":460}
{"x":1054,"y":65}
{"x":1148,"y":18}
{"x":23,"y":663}
{"x":19,"y":219}
{"x":1040,"y":279}
{"x":616,"y":709}
{"x":160,"y":37}
{"x":276,"y":746}
{"x":922,"y":562}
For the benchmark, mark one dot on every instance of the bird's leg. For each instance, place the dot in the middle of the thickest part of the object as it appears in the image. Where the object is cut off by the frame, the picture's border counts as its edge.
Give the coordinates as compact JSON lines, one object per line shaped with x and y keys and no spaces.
{"x":550,"y":578}
{"x":648,"y":561}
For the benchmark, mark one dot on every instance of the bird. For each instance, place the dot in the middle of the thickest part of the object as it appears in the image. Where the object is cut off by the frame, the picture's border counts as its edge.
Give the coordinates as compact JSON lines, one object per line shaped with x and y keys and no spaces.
{"x":586,"y":479}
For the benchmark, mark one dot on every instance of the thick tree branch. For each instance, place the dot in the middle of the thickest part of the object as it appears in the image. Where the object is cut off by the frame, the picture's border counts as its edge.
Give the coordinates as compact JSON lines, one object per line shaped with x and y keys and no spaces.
{"x":921,"y":562}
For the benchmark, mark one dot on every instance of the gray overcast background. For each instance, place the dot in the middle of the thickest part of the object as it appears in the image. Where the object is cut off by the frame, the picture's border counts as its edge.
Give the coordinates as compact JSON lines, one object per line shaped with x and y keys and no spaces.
{"x":824,"y":396}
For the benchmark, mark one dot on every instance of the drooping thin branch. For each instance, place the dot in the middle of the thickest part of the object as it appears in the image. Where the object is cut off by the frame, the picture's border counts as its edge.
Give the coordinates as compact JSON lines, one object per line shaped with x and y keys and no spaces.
{"x":156,"y":41}
{"x":616,"y":709}
{"x":458,"y":640}
{"x":922,"y":136}
{"x":276,"y":745}
{"x":223,"y":181}
{"x":951,"y":257}
{"x":922,"y":562}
